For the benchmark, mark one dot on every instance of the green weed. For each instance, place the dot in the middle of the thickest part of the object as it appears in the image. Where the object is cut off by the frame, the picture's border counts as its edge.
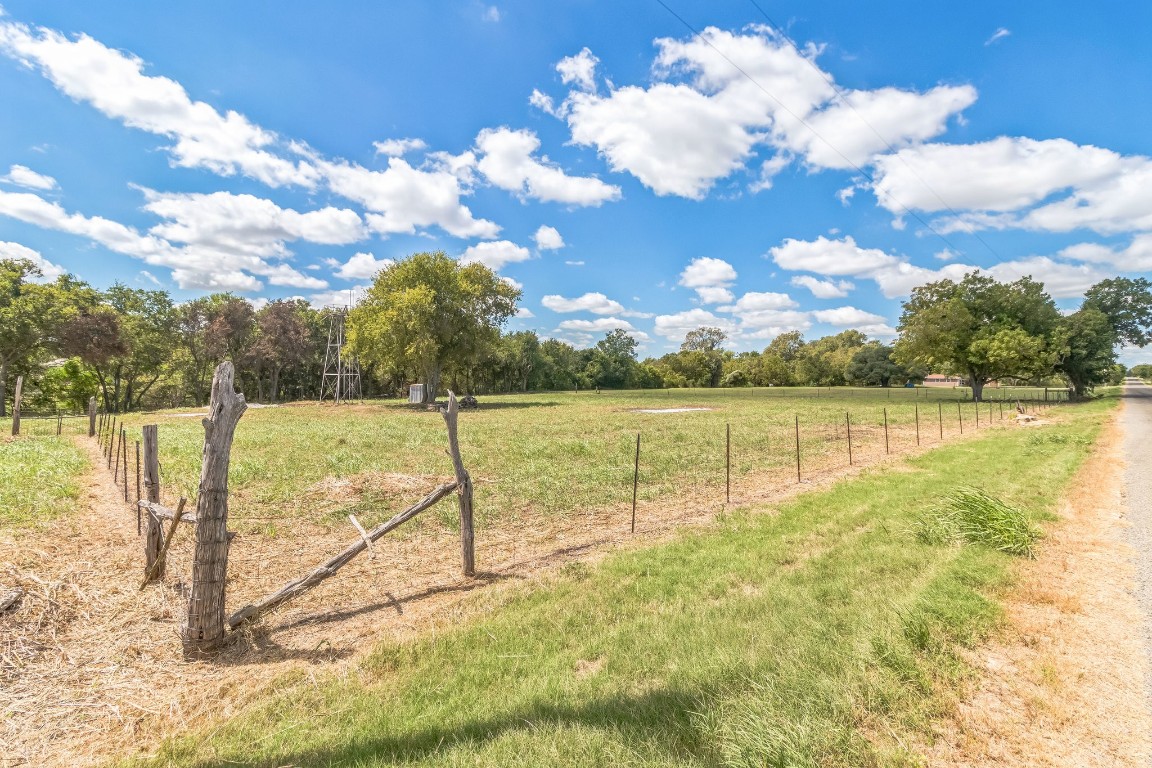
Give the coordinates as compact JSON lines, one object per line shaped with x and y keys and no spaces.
{"x":971,"y":515}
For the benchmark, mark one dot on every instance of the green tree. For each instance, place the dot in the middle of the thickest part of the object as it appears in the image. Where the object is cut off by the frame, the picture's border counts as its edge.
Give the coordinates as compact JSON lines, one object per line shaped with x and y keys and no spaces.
{"x":1143,"y":371}
{"x":427,"y":312}
{"x":706,"y":343}
{"x":1127,"y":304}
{"x":283,"y":340}
{"x":613,"y":360}
{"x":979,"y":328}
{"x":150,"y":335}
{"x":30,"y":316}
{"x":824,"y":362}
{"x":872,"y":365}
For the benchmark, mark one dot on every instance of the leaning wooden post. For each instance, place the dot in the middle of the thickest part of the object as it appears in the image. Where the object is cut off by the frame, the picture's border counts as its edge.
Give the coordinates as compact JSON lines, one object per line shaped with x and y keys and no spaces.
{"x":204,"y":629}
{"x":464,"y":489}
{"x":91,"y":417}
{"x":16,"y":406}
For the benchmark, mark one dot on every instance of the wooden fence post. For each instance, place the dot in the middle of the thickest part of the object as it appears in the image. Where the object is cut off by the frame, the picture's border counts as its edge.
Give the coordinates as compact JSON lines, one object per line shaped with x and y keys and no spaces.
{"x":848,"y":423}
{"x":154,"y":539}
{"x":635,"y":481}
{"x":464,"y":491}
{"x":16,"y":406}
{"x":92,"y":417}
{"x":204,"y":629}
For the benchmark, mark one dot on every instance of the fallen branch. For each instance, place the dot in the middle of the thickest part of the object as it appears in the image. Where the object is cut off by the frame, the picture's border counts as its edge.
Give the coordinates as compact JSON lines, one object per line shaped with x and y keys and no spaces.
{"x":322,"y":572}
{"x":159,"y":562}
{"x":163,"y":513}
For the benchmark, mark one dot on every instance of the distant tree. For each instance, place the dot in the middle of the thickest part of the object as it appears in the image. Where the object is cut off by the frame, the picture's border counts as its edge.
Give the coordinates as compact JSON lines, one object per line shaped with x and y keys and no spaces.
{"x":231,"y":326}
{"x":30,"y":315}
{"x":706,"y":342}
{"x":282,"y":340}
{"x":1143,"y":371}
{"x":613,"y":360}
{"x":427,"y":312}
{"x":150,"y":335}
{"x":872,"y":365}
{"x":980,"y":328}
{"x":824,"y":362}
{"x":1087,"y":342}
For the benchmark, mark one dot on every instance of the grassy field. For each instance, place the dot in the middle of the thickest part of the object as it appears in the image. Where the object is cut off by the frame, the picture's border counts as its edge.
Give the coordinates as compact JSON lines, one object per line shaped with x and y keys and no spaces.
{"x":824,"y":633}
{"x":39,"y":478}
{"x":552,"y":453}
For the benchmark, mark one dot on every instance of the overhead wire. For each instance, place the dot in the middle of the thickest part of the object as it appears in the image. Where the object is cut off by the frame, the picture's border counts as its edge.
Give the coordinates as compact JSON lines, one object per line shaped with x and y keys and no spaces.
{"x":860,"y":170}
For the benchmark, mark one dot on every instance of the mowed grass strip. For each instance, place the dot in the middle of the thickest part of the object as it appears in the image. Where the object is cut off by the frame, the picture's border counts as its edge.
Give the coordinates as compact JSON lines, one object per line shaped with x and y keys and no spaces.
{"x":39,"y":478}
{"x":822,"y":633}
{"x":545,"y":454}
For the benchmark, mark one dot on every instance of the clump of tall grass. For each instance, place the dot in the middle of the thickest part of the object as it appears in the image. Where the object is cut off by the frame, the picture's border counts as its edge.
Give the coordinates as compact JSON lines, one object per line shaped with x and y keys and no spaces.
{"x":971,"y":515}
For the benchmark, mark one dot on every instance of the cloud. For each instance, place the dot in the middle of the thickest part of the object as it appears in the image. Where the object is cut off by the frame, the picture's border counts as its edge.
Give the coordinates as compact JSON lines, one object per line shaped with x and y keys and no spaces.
{"x":348,"y":297}
{"x":1051,"y":186}
{"x":496,"y":254}
{"x":491,"y":13}
{"x":757,"y":302}
{"x":13,"y":251}
{"x":704,"y":118}
{"x":401,"y":199}
{"x":847,"y":317}
{"x":362,"y":266}
{"x":247,"y":224}
{"x":201,"y":264}
{"x":1060,"y":280}
{"x":596,"y":303}
{"x":574,"y":263}
{"x":824,"y":289}
{"x":399,"y":147}
{"x":830,"y":257}
{"x":525,"y":313}
{"x":1135,"y":257}
{"x":507,"y":162}
{"x":548,"y":239}
{"x":710,"y":278}
{"x":22,"y":176}
{"x":600,"y":325}
{"x":115,"y":84}
{"x":579,"y":70}
{"x":676,"y":326}
{"x":998,"y":35}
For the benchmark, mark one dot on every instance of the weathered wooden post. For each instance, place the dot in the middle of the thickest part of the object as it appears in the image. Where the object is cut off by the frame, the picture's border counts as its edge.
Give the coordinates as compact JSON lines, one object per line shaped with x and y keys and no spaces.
{"x":154,"y":538}
{"x":204,"y":629}
{"x":16,"y":406}
{"x":464,"y":489}
{"x":92,"y":417}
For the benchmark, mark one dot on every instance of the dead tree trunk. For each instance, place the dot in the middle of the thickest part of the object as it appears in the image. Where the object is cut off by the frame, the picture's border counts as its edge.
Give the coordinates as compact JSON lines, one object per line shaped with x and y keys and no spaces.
{"x":16,"y":406}
{"x":464,"y":491}
{"x":155,"y":533}
{"x":205,"y":627}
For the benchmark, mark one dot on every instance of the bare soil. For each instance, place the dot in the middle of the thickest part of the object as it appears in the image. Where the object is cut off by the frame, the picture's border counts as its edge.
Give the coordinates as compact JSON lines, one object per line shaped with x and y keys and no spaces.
{"x":1063,"y":686}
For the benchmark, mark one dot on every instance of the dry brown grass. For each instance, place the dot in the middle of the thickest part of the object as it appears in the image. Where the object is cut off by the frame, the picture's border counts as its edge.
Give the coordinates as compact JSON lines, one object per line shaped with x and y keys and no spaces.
{"x":1064,"y":685}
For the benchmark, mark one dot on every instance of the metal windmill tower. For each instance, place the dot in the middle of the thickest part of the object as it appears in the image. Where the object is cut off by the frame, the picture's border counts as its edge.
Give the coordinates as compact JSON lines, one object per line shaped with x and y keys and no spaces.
{"x":341,"y":379}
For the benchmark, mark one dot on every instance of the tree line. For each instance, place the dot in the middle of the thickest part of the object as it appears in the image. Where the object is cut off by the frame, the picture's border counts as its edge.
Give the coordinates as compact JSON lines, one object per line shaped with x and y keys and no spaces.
{"x":430,"y":319}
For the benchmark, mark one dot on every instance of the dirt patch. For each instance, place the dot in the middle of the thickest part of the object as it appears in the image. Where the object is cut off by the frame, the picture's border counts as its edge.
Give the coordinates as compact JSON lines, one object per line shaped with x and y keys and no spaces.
{"x":1064,"y":686}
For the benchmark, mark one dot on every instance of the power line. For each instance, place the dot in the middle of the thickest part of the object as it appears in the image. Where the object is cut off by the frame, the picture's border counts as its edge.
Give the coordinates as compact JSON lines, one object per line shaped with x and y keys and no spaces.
{"x":805,"y":123}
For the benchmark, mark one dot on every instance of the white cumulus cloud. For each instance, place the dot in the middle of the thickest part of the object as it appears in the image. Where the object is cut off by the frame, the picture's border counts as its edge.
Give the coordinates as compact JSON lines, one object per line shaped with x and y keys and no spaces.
{"x":495,"y":254}
{"x":824,"y":289}
{"x":507,"y":162}
{"x":13,"y":251}
{"x":548,"y":238}
{"x":23,"y":176}
{"x":362,"y":266}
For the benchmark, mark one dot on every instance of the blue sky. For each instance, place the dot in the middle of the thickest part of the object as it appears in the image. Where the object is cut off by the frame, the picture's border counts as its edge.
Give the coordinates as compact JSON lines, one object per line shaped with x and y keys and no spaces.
{"x":656,"y":166}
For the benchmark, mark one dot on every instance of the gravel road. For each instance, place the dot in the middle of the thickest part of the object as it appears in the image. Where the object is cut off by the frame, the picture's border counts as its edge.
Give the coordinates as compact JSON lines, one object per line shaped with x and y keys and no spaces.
{"x":1136,"y":422}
